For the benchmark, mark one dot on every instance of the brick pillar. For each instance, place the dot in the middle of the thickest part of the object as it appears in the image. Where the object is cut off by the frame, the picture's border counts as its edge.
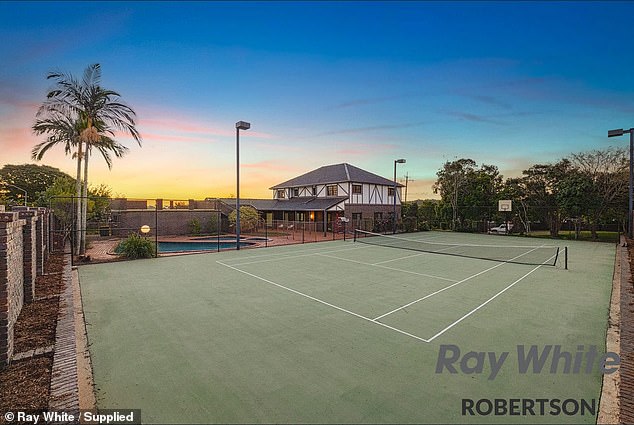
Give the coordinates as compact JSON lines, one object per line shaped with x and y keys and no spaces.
{"x":159,"y":204}
{"x":29,"y":249}
{"x":44,"y":222}
{"x":11,"y":280}
{"x":40,"y":241}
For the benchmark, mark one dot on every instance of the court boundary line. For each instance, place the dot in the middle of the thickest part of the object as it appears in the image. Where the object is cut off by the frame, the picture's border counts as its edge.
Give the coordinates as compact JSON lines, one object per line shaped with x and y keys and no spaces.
{"x":376,"y":319}
{"x":416,"y":255}
{"x":360,"y":316}
{"x":386,"y":267}
{"x":306,"y":253}
{"x":485,"y":303}
{"x":455,"y":284}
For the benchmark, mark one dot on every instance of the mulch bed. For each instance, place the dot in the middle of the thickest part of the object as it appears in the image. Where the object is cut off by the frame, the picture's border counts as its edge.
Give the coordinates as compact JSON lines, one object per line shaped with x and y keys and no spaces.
{"x":25,"y":384}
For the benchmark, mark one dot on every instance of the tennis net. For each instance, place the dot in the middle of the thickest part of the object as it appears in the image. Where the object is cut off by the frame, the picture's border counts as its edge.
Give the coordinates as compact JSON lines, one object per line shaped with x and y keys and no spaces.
{"x":532,"y":255}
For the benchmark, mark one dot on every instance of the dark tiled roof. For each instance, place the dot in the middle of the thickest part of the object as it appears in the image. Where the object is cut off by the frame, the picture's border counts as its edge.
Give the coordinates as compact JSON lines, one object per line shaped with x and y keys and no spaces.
{"x":293,"y":204}
{"x":335,"y":174}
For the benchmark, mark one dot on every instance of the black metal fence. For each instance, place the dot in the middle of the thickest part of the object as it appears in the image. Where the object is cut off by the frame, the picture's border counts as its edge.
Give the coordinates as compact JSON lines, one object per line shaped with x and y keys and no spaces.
{"x":171,"y":224}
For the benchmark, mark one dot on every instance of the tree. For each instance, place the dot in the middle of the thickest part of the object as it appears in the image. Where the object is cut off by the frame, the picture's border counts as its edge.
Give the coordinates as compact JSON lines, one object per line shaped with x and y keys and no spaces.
{"x":31,"y":177}
{"x":607,"y":170}
{"x":99,"y":202}
{"x":516,"y":190}
{"x":427,"y":214}
{"x":59,"y":197}
{"x":249,"y":218}
{"x":450,"y":184}
{"x":577,"y":197}
{"x":541,"y":183}
{"x":409,"y":216}
{"x":99,"y":113}
{"x":469,"y":190}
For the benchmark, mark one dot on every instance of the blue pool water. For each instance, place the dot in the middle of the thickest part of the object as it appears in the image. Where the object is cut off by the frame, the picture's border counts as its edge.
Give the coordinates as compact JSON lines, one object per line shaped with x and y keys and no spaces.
{"x":230,"y":238}
{"x":197,"y":246}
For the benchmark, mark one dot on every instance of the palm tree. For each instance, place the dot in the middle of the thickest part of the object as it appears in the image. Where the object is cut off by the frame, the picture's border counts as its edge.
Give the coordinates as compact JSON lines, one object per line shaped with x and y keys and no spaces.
{"x":102,"y":111}
{"x":63,"y":130}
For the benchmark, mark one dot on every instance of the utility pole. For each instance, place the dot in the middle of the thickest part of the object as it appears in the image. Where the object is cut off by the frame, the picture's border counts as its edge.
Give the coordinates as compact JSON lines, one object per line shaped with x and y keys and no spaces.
{"x":407,"y":180}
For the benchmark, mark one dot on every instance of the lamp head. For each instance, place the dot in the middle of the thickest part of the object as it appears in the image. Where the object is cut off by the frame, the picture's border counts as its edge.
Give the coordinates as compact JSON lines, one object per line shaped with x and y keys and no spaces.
{"x":243,"y":125}
{"x":400,"y":161}
{"x":614,"y":133}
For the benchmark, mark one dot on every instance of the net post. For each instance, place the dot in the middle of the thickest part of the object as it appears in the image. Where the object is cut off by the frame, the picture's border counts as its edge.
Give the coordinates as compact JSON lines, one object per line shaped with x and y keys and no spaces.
{"x":566,"y":257}
{"x":354,"y":237}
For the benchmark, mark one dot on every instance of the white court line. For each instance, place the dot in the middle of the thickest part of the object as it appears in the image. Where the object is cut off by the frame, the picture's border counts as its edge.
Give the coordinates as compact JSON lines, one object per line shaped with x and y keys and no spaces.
{"x":397,"y":259}
{"x":385,"y":267}
{"x":323,"y":302}
{"x":486,"y":302}
{"x":416,"y":255}
{"x":308,"y":253}
{"x":451,"y":286}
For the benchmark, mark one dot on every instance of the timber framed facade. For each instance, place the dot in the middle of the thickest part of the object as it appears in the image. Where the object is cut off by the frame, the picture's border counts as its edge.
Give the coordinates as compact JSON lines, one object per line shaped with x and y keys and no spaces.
{"x":328,"y":193}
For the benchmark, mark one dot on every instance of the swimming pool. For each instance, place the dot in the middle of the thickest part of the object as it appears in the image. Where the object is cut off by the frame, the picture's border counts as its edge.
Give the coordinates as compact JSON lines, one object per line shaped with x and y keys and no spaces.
{"x":198,"y":246}
{"x":230,"y":238}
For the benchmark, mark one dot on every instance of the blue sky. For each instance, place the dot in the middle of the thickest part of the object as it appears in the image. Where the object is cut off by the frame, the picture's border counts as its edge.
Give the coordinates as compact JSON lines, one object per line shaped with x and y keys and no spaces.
{"x":504,"y":83}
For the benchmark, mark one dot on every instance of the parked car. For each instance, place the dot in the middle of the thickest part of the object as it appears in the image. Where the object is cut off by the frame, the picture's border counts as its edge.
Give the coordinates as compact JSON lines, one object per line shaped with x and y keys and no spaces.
{"x":501,"y":229}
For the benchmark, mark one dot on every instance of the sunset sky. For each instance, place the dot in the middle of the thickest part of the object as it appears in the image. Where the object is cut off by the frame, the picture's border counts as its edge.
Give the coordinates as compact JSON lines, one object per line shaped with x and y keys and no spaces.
{"x":504,"y":83}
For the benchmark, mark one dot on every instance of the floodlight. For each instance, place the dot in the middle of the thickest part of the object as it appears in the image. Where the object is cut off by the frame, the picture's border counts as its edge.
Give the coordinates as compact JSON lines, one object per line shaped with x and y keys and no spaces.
{"x":614,"y":133}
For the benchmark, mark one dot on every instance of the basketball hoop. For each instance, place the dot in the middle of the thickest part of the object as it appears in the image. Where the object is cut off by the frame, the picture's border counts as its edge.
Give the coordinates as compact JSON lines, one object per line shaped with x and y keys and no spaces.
{"x":505,"y":205}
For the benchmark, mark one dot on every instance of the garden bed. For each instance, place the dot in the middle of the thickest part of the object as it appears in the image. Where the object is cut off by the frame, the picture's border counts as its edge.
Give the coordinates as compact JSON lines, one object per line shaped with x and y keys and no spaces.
{"x":25,"y":383}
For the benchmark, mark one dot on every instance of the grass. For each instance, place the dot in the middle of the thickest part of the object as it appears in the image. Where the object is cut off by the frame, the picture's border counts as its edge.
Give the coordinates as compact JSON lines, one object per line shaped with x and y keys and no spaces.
{"x":584,"y":235}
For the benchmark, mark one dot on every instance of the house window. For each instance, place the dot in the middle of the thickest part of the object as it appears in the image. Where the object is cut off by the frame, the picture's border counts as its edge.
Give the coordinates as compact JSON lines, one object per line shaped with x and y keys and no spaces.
{"x":280,"y":194}
{"x":390,"y":191}
{"x":357,"y":189}
{"x":356,"y":216}
{"x":296,"y":191}
{"x":332,"y":190}
{"x":378,"y":215}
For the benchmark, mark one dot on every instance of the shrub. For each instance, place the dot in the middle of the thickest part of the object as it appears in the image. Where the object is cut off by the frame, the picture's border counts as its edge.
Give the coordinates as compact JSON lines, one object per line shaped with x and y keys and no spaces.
{"x":248,"y":218}
{"x":135,"y":246}
{"x":213,"y":224}
{"x":194,"y":226}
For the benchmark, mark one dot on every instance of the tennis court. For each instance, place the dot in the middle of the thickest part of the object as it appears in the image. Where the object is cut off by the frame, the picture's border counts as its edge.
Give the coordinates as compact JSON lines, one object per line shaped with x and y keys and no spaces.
{"x":345,"y":331}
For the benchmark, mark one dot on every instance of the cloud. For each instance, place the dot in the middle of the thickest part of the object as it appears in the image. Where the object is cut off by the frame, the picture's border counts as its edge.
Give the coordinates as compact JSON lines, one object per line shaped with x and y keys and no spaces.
{"x":357,"y":130}
{"x":473,"y":117}
{"x":152,"y":137}
{"x":368,"y":101}
{"x":270,"y":165}
{"x":491,"y":100}
{"x":363,"y":149}
{"x":175,"y":122}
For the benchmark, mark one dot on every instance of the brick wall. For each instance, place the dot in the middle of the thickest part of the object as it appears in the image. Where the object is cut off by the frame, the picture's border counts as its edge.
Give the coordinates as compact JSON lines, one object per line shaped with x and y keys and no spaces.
{"x":29,"y":250}
{"x":170,"y":222}
{"x":367,"y":211}
{"x":41,"y":240}
{"x":11,"y":279}
{"x":23,"y":252}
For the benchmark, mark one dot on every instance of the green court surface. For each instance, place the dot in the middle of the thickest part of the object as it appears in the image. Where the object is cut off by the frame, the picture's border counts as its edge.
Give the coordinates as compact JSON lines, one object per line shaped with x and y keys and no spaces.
{"x":344,"y":332}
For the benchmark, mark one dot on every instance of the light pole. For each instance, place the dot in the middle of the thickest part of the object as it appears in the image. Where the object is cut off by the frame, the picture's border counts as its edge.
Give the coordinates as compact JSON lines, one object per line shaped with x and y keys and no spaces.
{"x":620,"y":132}
{"x":19,"y":188}
{"x":240,"y":125}
{"x":396,"y":161}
